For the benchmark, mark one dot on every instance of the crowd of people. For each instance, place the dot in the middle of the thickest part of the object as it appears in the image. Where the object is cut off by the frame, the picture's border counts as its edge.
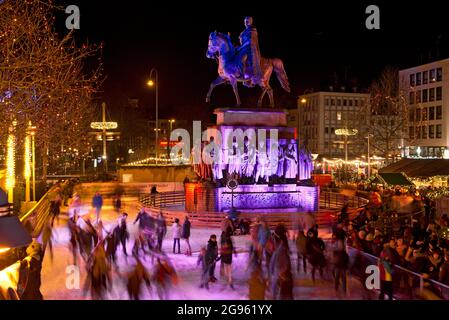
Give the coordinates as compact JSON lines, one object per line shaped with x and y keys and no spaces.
{"x":414,"y":241}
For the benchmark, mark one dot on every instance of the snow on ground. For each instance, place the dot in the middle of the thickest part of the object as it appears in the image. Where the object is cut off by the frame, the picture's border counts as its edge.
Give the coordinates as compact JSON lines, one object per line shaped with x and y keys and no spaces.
{"x":54,"y":274}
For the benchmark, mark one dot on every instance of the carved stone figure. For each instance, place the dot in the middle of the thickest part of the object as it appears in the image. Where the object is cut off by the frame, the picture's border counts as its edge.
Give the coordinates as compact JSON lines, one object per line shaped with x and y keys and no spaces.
{"x":248,"y":160}
{"x":305,"y":164}
{"x":281,"y":161}
{"x":291,"y":167}
{"x":235,"y":160}
{"x":262,"y":167}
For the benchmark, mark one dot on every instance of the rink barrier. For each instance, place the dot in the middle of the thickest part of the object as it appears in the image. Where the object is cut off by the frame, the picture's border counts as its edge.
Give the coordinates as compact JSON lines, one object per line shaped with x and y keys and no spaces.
{"x":163,"y":199}
{"x":328,"y":200}
{"x":214,"y":219}
{"x":334,"y":200}
{"x":39,"y":215}
{"x":406,"y":281}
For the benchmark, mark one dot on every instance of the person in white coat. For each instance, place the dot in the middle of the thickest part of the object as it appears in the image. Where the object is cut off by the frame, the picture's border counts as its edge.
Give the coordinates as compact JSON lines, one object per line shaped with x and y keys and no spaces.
{"x":176,"y":230}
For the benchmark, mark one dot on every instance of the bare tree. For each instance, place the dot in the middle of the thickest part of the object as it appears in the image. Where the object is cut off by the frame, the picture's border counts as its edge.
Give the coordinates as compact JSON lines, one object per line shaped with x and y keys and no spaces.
{"x":387,"y":115}
{"x":44,"y":78}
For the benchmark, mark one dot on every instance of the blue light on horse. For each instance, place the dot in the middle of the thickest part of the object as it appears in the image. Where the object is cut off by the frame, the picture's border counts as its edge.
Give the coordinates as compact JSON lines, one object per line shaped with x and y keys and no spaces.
{"x":231,"y":68}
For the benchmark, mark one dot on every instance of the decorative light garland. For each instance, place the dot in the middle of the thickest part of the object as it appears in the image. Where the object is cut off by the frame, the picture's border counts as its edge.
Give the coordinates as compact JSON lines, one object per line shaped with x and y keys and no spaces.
{"x":350,"y":162}
{"x":27,"y":156}
{"x":104,"y":125}
{"x":150,"y":159}
{"x":10,"y":165}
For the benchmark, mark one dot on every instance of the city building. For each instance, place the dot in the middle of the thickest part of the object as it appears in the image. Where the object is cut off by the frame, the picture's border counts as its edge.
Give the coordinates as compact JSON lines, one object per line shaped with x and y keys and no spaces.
{"x":425,"y":87}
{"x":322,"y":116}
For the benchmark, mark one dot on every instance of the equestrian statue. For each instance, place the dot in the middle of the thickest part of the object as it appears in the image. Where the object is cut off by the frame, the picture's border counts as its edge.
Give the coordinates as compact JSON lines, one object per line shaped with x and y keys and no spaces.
{"x":244,"y":63}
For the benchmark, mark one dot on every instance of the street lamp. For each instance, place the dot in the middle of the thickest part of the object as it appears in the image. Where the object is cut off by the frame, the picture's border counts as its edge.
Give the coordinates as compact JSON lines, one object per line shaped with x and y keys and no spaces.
{"x":369,"y":157}
{"x":155,"y":83}
{"x":171,"y":121}
{"x":346,"y":133}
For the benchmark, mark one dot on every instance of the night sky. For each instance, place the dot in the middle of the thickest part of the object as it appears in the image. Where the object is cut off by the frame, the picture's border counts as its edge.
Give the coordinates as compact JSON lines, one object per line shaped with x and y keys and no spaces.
{"x":316,"y":41}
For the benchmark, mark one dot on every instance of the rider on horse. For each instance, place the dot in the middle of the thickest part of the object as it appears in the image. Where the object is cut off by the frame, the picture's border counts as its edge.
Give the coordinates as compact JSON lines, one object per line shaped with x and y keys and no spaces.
{"x":250,"y":54}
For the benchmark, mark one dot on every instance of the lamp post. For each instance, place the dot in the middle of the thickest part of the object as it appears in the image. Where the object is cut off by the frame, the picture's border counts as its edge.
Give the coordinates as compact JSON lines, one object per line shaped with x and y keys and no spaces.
{"x":171,"y":121}
{"x":104,"y":126}
{"x":33,"y":160}
{"x":346,"y":133}
{"x":155,"y":83}
{"x":369,"y":156}
{"x":105,"y":154}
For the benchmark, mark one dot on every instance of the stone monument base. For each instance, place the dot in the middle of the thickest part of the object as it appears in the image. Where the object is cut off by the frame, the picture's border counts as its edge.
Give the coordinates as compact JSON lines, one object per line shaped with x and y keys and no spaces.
{"x":206,"y":197}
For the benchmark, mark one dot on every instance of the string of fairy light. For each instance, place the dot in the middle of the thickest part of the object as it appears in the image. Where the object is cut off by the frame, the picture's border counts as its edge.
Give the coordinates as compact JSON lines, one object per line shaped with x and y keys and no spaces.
{"x":45,"y":78}
{"x":10,"y":165}
{"x":149,"y":160}
{"x":376,"y":161}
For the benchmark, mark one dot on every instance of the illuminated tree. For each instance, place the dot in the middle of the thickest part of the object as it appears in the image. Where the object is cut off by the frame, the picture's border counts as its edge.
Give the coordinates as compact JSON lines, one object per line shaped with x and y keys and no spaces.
{"x":44,"y":78}
{"x":387,"y":115}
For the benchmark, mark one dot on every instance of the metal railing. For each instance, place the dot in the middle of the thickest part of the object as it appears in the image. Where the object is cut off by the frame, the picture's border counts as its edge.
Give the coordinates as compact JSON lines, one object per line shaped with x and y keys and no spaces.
{"x":37,"y":217}
{"x":407,"y":282}
{"x":333,"y":200}
{"x":163,"y":199}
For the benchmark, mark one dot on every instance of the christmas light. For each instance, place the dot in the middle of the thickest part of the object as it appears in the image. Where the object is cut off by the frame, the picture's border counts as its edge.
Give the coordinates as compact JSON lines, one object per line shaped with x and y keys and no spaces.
{"x":27,"y":160}
{"x":104,"y":125}
{"x":154,"y":159}
{"x":10,"y":166}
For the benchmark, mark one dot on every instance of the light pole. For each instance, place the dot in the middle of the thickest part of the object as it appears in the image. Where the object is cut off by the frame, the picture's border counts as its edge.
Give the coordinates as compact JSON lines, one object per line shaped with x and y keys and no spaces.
{"x":32,"y":130}
{"x":155,"y":83}
{"x":369,"y":156}
{"x":104,"y":126}
{"x":171,"y":121}
{"x":346,"y":133}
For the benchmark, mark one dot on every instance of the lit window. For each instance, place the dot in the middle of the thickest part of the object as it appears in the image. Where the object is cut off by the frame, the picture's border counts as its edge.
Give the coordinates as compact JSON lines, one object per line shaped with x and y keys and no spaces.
{"x":432,"y":75}
{"x":339,"y":116}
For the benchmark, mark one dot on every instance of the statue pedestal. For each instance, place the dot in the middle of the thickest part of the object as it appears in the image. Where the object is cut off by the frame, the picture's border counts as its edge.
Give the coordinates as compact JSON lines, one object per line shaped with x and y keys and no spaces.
{"x":239,"y":136}
{"x":251,"y":117}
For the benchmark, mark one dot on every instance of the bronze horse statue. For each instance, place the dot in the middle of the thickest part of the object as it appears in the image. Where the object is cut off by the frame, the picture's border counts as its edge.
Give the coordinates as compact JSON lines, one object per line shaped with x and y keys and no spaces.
{"x":231,"y":68}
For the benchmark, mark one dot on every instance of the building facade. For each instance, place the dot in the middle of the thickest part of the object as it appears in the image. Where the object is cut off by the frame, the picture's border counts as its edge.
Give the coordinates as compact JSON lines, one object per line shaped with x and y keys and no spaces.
{"x":426,"y":88}
{"x":323,"y":115}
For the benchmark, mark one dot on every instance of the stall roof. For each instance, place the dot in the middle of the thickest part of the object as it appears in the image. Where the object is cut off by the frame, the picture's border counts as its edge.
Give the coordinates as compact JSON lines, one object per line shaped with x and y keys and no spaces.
{"x":419,"y":167}
{"x":393,"y":179}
